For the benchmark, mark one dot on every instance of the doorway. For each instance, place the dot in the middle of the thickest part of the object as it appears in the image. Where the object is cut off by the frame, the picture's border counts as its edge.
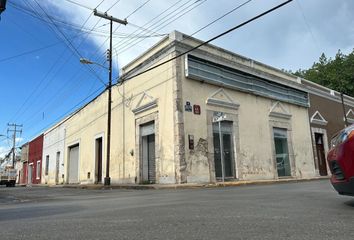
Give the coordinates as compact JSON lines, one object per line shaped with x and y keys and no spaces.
{"x":73,"y":164}
{"x":281,"y":152}
{"x":223,"y":145}
{"x":57,"y":162}
{"x":30,"y":171}
{"x":321,"y":159}
{"x":98,"y":160}
{"x":148,"y":164}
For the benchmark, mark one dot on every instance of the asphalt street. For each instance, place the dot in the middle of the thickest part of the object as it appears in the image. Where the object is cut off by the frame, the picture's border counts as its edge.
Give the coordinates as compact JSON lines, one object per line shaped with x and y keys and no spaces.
{"x":306,"y":210}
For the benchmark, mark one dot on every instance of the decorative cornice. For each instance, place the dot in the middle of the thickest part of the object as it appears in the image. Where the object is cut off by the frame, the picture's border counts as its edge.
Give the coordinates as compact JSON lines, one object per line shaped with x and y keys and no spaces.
{"x":284,"y":114}
{"x":280,"y":115}
{"x":220,"y":103}
{"x":145,"y":107}
{"x":320,"y":120}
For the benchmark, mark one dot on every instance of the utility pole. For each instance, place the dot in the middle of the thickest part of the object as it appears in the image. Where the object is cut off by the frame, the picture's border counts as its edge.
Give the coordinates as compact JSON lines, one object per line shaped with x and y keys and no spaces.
{"x":14,"y":130}
{"x":107,"y":179}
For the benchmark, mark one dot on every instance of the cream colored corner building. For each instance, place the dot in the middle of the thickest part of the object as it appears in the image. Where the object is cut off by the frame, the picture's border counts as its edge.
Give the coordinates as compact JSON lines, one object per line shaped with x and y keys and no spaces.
{"x":203,"y":117}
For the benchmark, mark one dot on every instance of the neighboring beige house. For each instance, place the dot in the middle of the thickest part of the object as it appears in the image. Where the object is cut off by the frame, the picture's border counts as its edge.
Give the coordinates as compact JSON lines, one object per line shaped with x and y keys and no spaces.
{"x":205,"y":116}
{"x":23,"y":179}
{"x":53,"y":171}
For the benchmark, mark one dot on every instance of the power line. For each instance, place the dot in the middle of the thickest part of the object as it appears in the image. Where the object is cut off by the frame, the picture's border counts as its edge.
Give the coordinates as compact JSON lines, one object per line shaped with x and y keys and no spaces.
{"x":79,"y":4}
{"x":104,"y":113}
{"x":308,"y":25}
{"x":40,"y":83}
{"x":31,"y":51}
{"x":100,"y":89}
{"x":80,"y":44}
{"x":138,"y":8}
{"x":130,"y":14}
{"x":113,"y":5}
{"x":173,"y":17}
{"x":165,"y":11}
{"x":208,"y":41}
{"x":64,"y":24}
{"x":70,"y":44}
{"x":222,"y":16}
{"x":52,"y":67}
{"x":128,"y":35}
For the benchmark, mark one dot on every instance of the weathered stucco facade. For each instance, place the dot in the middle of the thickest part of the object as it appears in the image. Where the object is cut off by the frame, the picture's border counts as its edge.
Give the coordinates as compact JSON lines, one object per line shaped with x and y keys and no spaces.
{"x":327,"y":117}
{"x":53,"y":154}
{"x":251,"y":114}
{"x":164,"y":127}
{"x":24,"y":161}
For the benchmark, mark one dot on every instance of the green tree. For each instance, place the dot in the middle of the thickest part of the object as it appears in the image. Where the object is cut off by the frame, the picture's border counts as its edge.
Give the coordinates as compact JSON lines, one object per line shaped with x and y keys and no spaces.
{"x":337,"y":73}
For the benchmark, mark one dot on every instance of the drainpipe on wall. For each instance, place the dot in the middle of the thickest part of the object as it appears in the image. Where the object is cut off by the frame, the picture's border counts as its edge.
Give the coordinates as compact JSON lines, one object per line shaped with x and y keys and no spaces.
{"x":345,"y":115}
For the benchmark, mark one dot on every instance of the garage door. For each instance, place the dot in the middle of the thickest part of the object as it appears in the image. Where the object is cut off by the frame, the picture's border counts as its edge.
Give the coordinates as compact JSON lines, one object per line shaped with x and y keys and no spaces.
{"x":74,"y":164}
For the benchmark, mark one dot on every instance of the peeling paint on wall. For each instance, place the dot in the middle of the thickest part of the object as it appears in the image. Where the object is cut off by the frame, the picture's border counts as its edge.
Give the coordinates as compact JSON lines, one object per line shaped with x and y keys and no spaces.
{"x":197,"y":163}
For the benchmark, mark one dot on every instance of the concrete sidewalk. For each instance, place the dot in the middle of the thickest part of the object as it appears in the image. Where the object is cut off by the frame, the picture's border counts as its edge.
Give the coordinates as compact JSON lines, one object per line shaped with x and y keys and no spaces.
{"x":182,"y":186}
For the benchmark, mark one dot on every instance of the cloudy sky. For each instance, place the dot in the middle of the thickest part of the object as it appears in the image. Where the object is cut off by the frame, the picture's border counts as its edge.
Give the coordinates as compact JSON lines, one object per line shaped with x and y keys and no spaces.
{"x":43,"y":40}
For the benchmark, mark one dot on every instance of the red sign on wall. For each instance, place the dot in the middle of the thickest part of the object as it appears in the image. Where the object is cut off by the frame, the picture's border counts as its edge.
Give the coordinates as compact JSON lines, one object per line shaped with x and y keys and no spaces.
{"x":196,"y":109}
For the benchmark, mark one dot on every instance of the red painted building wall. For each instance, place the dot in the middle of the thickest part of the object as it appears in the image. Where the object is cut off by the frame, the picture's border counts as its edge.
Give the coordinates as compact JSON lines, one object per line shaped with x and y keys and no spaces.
{"x":35,"y":152}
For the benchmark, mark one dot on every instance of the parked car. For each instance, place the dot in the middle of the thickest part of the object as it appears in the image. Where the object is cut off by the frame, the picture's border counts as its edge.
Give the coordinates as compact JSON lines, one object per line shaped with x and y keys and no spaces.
{"x":341,"y":161}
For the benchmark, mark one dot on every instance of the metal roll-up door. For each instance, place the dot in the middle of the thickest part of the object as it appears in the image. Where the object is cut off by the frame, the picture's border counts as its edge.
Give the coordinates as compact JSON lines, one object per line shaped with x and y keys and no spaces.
{"x":147,"y":129}
{"x":74,"y":164}
{"x":148,"y":165}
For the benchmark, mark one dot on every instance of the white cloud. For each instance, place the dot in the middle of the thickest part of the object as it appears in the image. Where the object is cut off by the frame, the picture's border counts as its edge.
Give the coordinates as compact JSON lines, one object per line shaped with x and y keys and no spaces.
{"x":4,"y":150}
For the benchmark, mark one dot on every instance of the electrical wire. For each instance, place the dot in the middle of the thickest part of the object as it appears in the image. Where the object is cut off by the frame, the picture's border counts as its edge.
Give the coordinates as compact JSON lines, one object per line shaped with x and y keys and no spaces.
{"x":130,"y":35}
{"x":171,"y":19}
{"x":113,"y":5}
{"x":69,"y":43}
{"x":222,"y":16}
{"x":82,"y":127}
{"x":308,"y":25}
{"x":52,"y":67}
{"x":153,"y":23}
{"x":80,"y":5}
{"x":87,"y":20}
{"x":208,"y":41}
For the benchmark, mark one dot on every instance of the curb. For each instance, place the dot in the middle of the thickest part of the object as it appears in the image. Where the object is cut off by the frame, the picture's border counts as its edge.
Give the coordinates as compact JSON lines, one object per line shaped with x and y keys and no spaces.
{"x":185,"y":186}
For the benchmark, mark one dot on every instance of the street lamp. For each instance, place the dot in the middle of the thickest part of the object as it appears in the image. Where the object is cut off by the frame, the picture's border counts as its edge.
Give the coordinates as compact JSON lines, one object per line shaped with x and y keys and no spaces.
{"x":2,"y":5}
{"x":87,"y":61}
{"x":107,"y":179}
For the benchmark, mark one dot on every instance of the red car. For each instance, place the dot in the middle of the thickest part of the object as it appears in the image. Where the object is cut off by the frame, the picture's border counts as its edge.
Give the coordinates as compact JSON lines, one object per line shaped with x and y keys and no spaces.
{"x":341,"y":161}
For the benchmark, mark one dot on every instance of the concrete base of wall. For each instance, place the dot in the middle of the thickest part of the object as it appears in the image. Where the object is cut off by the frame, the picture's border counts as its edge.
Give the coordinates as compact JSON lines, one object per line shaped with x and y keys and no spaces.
{"x":198,"y":179}
{"x":167,"y":180}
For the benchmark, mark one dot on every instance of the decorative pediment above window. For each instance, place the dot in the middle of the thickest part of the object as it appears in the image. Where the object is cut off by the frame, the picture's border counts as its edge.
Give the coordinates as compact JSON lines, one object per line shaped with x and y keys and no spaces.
{"x":221,"y":99}
{"x":350,"y":116}
{"x":278,"y":110}
{"x":145,"y":103}
{"x":317,"y":118}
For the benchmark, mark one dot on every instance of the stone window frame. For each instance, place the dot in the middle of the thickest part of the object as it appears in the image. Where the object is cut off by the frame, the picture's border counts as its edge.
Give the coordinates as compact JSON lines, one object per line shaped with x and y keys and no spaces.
{"x":326,"y":148}
{"x":38,"y":169}
{"x":233,"y":117}
{"x":284,"y":123}
{"x":46,"y":170}
{"x":152,"y":117}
